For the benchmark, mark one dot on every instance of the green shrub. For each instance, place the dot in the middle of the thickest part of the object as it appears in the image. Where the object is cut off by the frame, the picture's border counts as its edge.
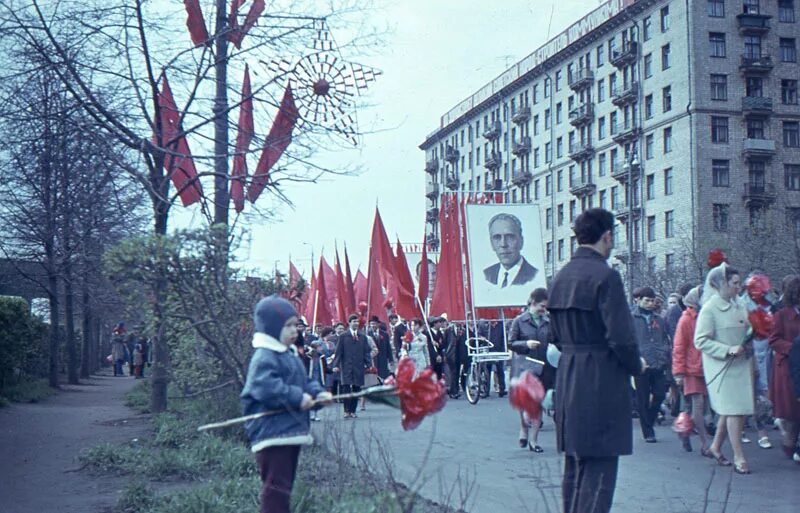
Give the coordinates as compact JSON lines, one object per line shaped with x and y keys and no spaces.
{"x":116,"y":458}
{"x":23,"y":342}
{"x":138,"y":398}
{"x":27,"y":391}
{"x":218,"y":496}
{"x":137,"y":497}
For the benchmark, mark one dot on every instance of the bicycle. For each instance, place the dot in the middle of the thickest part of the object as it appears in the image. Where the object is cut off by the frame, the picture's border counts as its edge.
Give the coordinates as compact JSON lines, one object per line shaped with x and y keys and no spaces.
{"x":478,"y":377}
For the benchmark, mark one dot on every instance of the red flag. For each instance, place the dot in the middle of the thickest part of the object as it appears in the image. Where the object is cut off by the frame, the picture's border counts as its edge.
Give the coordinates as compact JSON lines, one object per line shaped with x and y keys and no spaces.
{"x":407,"y":306}
{"x":331,"y":288}
{"x":323,"y":312}
{"x":341,"y":308}
{"x":381,"y":277}
{"x":311,"y":296}
{"x":448,"y":290}
{"x":178,"y":162}
{"x":424,"y":277}
{"x":350,"y":292}
{"x":360,"y":287}
{"x":243,"y":138}
{"x":195,"y":22}
{"x":237,"y":34}
{"x":280,"y":135}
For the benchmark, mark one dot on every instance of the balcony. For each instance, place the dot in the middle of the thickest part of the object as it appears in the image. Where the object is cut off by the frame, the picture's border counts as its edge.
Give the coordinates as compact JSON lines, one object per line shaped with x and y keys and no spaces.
{"x":756,"y":64}
{"x":522,"y":178}
{"x":432,"y":166}
{"x":432,"y":215}
{"x":758,"y":149}
{"x":522,"y":147}
{"x":431,"y":190}
{"x":521,"y":115}
{"x":625,"y":132}
{"x":753,"y":24}
{"x":581,"y":79}
{"x":433,"y":241}
{"x":582,"y":187}
{"x":493,"y":161}
{"x":451,"y":155}
{"x":452,"y":182}
{"x":622,"y":171}
{"x":492,"y":131}
{"x":581,"y":151}
{"x":756,"y":106}
{"x":759,"y":194}
{"x":581,"y":115}
{"x":625,"y":94}
{"x":626,"y":56}
{"x":625,"y":213}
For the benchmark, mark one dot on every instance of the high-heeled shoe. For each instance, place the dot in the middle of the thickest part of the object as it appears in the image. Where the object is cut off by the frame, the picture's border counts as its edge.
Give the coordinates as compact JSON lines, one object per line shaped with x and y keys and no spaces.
{"x":741,"y":468}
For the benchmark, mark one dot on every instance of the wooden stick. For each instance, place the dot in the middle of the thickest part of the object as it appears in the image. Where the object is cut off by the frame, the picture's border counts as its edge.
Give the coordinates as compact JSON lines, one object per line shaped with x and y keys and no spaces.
{"x":376,"y":390}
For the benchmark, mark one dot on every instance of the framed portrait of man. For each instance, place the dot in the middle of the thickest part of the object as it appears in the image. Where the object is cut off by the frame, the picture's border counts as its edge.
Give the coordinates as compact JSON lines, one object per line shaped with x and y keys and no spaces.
{"x":506,"y":253}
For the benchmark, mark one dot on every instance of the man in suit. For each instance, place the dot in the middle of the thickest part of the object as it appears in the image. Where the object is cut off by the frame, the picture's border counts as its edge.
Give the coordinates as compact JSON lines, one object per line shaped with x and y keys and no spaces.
{"x":352,"y":358}
{"x":505,"y":235}
{"x":396,"y":332}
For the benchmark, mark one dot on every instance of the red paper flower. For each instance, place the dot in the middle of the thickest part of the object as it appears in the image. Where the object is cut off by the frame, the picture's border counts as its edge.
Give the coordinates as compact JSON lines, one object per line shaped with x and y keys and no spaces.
{"x":758,"y":286}
{"x":388,"y":304}
{"x":761,"y":321}
{"x":362,"y":308}
{"x":683,"y":424}
{"x":715,"y":258}
{"x":527,"y":394}
{"x":419,"y":397}
{"x":408,"y":336}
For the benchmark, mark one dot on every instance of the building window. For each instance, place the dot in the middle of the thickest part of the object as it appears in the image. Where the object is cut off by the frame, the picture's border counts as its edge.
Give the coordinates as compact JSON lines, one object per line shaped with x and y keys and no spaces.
{"x":547,"y":119}
{"x":602,"y":199}
{"x":536,"y":189}
{"x":548,"y":218}
{"x":716,"y":8}
{"x":573,"y":210}
{"x":612,"y":122}
{"x":665,"y":57}
{"x":651,"y":228}
{"x":536,"y":158}
{"x":752,"y":47}
{"x":650,"y":186}
{"x":558,"y":80}
{"x":648,"y":106}
{"x":559,"y":112}
{"x":789,"y":92}
{"x":667,"y":139}
{"x":649,"y":143}
{"x":669,"y":263}
{"x":666,"y":99}
{"x":601,"y":128}
{"x":788,"y":50}
{"x":792,"y":176}
{"x":547,"y":88}
{"x":560,"y":249}
{"x":719,"y":87}
{"x":720,"y":215}
{"x":600,"y":56}
{"x":647,"y":25}
{"x":535,"y":94}
{"x":719,"y":129}
{"x":786,"y":11}
{"x":560,"y":215}
{"x":757,"y":219}
{"x":614,"y":197}
{"x":648,"y":65}
{"x":549,"y":253}
{"x":665,"y":18}
{"x":720,"y":173}
{"x":716,"y":41}
{"x":601,"y":91}
{"x":793,"y":220}
{"x":560,"y":180}
{"x":757,"y":175}
{"x":601,"y":164}
{"x":791,"y":134}
{"x":536,"y":124}
{"x":559,"y":148}
{"x":668,"y":182}
{"x":755,"y":129}
{"x":669,"y":224}
{"x":548,"y":185}
{"x":752,"y":7}
{"x":754,"y":87}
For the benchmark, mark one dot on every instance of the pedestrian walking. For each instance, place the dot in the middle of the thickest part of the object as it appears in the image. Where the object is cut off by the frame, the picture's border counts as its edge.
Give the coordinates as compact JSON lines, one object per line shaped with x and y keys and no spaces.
{"x":721,"y":335}
{"x":418,"y":347}
{"x":352,"y":358}
{"x":276,"y":379}
{"x":118,"y":353}
{"x":591,"y":324}
{"x":138,"y":360}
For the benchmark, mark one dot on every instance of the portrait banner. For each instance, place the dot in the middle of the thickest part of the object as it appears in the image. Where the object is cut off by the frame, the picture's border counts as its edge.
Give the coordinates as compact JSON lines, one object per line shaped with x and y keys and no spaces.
{"x":506,"y":253}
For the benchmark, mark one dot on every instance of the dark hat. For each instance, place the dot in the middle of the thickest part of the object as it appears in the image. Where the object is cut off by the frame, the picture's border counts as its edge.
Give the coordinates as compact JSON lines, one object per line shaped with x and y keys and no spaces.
{"x":374,"y":318}
{"x":271,"y":314}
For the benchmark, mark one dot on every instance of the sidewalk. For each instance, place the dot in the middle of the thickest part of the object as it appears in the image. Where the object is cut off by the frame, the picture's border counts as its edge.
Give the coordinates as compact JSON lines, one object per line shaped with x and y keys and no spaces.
{"x":40,"y":443}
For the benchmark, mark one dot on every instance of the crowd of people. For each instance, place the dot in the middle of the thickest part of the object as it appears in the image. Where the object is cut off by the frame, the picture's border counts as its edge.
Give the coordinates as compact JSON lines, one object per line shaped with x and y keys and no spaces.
{"x":129,"y":350}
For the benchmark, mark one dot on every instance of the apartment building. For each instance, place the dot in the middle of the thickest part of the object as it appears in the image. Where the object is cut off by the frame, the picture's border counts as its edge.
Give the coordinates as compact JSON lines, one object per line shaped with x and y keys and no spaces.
{"x":680,"y":116}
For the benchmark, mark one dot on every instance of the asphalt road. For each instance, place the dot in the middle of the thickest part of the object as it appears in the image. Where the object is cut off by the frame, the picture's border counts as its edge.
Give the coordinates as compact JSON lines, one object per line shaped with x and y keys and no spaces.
{"x":474,"y":447}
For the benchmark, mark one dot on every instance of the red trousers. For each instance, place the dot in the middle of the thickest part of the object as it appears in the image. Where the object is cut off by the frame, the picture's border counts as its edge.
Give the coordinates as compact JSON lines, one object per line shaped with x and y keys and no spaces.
{"x":277,"y":466}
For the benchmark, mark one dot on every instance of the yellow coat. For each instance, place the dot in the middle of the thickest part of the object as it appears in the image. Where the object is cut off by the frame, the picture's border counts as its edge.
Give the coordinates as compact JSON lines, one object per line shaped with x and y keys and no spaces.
{"x":720,"y":326}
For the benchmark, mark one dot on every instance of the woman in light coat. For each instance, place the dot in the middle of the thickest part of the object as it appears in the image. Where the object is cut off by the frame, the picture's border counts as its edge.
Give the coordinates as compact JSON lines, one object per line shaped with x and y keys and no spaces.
{"x":417,"y":348}
{"x":721,"y":334}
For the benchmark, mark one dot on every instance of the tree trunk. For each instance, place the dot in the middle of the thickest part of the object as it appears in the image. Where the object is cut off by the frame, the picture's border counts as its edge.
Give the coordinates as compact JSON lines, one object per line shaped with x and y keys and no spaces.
{"x":87,"y":352}
{"x":160,"y":374}
{"x":52,"y":283}
{"x":97,"y":342}
{"x":221,"y":198}
{"x":69,"y":315}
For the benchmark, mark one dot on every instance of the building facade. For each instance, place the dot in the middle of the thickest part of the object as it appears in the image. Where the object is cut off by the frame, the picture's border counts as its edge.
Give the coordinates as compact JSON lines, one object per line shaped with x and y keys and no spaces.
{"x":680,"y":116}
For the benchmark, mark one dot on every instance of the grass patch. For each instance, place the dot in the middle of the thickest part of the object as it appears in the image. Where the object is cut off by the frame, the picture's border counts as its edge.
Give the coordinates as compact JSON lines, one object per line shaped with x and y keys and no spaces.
{"x":138,"y":397}
{"x":29,"y":391}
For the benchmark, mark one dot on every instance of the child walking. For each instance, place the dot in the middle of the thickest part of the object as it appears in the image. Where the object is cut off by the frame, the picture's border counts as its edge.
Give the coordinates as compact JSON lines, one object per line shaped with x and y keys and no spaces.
{"x":277,"y":380}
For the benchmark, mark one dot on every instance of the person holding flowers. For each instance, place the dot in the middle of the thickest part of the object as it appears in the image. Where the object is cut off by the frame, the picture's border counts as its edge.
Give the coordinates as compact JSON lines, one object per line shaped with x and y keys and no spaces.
{"x":722,"y":334}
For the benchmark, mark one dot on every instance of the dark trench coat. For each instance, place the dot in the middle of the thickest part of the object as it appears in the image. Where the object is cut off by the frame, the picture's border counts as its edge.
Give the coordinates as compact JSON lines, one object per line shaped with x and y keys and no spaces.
{"x":591,"y":324}
{"x":352,"y":357}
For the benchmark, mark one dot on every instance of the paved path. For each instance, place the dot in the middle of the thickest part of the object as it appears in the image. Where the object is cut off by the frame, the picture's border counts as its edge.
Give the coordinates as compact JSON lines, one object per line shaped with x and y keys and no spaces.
{"x":481,"y":440}
{"x":39,"y":443}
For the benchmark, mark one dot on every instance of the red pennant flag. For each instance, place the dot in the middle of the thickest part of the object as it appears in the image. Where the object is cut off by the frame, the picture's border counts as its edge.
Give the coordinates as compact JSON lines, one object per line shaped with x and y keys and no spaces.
{"x":323,"y":312}
{"x":195,"y":22}
{"x":178,"y":162}
{"x":448,"y":290}
{"x":382,"y":274}
{"x":243,"y":138}
{"x":341,"y":308}
{"x":350,"y":293}
{"x":424,"y":277}
{"x":360,"y":285}
{"x":407,"y":306}
{"x":237,"y":34}
{"x":280,"y":135}
{"x":311,"y":293}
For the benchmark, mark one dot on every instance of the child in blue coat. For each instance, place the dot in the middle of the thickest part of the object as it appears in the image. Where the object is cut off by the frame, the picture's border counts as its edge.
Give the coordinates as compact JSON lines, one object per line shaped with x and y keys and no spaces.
{"x":277,"y":380}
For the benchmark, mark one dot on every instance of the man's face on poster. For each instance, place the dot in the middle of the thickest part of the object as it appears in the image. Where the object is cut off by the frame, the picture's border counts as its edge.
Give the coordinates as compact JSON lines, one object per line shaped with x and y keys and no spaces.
{"x":506,"y":241}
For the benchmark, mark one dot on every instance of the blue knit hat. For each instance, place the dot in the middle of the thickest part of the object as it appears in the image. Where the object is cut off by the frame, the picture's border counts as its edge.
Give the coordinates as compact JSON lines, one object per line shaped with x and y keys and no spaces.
{"x":271,"y":314}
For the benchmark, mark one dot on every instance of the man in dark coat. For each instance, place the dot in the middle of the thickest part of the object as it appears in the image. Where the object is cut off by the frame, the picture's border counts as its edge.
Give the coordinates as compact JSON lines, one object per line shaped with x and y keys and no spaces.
{"x":353,"y":356}
{"x":396,"y":332}
{"x":436,"y":344}
{"x":385,"y":354}
{"x":457,"y":358}
{"x":590,"y":322}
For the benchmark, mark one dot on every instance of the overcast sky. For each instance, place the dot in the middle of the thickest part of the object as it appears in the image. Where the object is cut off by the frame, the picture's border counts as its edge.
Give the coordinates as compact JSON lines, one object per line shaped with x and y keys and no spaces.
{"x":438,"y":52}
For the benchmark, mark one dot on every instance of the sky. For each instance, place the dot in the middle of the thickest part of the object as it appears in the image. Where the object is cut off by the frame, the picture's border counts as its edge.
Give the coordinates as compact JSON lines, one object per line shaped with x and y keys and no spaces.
{"x":436,"y":54}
